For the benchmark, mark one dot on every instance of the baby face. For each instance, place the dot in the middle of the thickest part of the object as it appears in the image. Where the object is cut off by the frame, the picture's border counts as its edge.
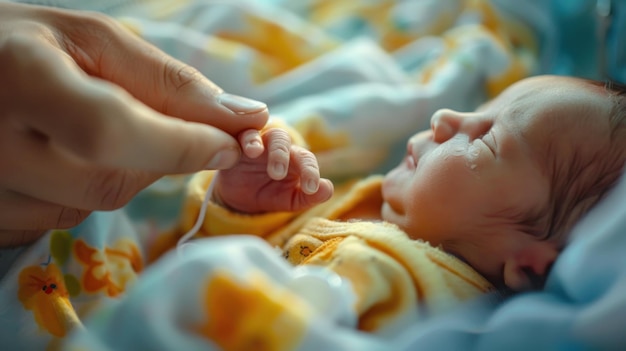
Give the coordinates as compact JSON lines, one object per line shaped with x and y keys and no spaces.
{"x":467,"y":183}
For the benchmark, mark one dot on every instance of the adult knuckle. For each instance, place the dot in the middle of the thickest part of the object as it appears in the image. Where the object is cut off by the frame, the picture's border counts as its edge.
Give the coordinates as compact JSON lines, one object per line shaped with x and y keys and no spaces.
{"x":94,"y":23}
{"x":69,"y":217}
{"x":109,"y":190}
{"x":100,"y":20}
{"x":78,"y":32}
{"x":14,"y":45}
{"x":179,"y":75}
{"x":26,"y":35}
{"x":103,"y":27}
{"x":24,"y":54}
{"x":18,"y":54}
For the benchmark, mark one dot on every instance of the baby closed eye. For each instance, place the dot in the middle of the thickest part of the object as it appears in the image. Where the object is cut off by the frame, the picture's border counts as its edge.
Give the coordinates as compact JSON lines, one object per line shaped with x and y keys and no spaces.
{"x":490,"y":141}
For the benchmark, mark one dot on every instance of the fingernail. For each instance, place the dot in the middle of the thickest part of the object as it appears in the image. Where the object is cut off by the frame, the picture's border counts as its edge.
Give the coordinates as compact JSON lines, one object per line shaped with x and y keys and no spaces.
{"x":279,"y":169}
{"x":254,"y":143}
{"x":240,"y":105}
{"x":224,"y":159}
{"x":254,"y":148}
{"x":311,"y":186}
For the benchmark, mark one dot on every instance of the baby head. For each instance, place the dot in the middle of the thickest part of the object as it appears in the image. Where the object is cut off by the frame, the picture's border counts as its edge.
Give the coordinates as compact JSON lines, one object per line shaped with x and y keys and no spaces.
{"x":502,"y":187}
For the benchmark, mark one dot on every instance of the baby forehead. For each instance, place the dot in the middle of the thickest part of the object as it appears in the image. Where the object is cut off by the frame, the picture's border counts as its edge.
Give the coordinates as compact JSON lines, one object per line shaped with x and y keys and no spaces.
{"x":554,"y":89}
{"x":552,"y":126}
{"x":558,"y":131}
{"x":576,"y":107}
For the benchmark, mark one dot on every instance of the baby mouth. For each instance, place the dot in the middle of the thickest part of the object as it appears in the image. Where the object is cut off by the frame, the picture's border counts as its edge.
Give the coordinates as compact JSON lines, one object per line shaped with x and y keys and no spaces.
{"x":410,"y":161}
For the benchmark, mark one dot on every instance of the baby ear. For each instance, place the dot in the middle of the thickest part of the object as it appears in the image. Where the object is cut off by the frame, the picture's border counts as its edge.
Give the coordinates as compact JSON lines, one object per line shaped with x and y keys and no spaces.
{"x":529,"y":266}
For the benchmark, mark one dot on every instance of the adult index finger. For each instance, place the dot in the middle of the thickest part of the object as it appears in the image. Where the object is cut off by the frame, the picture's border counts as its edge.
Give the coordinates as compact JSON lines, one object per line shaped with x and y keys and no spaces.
{"x":153,"y":77}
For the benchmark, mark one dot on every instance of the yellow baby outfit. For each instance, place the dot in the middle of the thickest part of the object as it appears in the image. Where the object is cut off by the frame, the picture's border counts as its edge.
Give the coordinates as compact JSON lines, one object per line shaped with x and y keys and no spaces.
{"x":395,"y":279}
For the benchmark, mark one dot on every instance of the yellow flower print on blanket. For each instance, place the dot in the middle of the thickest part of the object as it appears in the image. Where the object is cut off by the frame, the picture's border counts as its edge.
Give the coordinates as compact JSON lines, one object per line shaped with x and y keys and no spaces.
{"x":42,"y":290}
{"x":387,"y":20}
{"x":281,"y":48}
{"x":110,"y":270}
{"x":252,"y":315}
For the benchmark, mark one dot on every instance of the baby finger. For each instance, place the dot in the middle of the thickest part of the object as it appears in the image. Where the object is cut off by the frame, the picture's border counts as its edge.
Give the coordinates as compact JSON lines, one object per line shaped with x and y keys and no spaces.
{"x":278,"y":144}
{"x":308,"y":168}
{"x":251,"y":143}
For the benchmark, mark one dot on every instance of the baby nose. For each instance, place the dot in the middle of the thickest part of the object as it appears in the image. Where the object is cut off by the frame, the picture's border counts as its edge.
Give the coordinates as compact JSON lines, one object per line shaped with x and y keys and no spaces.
{"x":445,"y":123}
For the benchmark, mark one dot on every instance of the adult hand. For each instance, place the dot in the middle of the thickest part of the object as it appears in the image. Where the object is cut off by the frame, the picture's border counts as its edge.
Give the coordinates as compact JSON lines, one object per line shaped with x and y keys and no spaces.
{"x":90,"y":114}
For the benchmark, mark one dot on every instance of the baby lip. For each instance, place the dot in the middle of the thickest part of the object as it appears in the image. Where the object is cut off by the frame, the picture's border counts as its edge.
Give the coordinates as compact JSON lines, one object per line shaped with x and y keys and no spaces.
{"x":420,"y":145}
{"x":410,"y":162}
{"x":410,"y":157}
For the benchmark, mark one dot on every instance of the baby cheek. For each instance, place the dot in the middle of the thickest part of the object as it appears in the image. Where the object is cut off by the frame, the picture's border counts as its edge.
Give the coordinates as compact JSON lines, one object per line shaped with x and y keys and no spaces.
{"x":472,"y":156}
{"x":461,"y":147}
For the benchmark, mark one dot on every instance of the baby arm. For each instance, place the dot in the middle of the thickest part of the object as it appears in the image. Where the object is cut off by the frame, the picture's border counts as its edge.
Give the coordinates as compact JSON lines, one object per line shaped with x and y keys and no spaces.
{"x":273,"y":175}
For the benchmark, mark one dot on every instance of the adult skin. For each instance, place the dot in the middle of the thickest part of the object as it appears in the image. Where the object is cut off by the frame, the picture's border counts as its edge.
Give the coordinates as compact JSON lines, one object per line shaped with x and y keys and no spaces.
{"x":90,"y":115}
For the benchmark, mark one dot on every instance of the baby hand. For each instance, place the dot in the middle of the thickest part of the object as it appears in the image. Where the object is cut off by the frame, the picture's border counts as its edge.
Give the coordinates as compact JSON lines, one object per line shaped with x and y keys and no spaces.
{"x":272,"y":175}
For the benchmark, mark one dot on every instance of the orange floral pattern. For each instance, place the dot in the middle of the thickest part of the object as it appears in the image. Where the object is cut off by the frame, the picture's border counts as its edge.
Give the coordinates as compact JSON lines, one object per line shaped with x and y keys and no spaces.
{"x":109,"y":270}
{"x":42,"y":290}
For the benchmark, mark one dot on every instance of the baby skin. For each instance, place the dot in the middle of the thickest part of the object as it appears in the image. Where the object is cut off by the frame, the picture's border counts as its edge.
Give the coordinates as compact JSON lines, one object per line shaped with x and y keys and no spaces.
{"x":498,"y":188}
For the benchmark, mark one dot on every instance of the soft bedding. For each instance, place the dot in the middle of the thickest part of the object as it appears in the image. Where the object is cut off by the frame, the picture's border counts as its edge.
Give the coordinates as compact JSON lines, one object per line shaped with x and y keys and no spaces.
{"x":361,"y":76}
